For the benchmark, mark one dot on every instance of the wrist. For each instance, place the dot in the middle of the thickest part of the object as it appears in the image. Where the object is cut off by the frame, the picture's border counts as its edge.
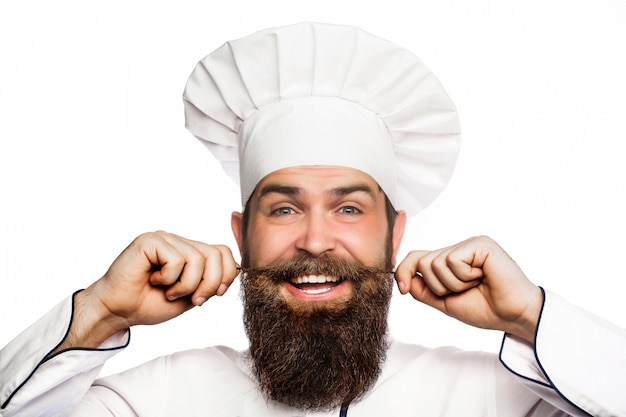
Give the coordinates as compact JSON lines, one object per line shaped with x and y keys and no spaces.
{"x":91,"y":323}
{"x":526,"y":325}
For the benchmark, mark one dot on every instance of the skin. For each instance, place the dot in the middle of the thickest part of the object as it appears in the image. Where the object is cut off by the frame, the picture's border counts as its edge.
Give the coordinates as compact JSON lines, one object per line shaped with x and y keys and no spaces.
{"x":476,"y":282}
{"x":316,"y":210}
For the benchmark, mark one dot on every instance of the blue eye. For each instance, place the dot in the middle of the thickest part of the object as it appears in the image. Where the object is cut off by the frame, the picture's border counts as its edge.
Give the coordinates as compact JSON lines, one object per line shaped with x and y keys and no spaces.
{"x":284,"y":211}
{"x":349,"y":210}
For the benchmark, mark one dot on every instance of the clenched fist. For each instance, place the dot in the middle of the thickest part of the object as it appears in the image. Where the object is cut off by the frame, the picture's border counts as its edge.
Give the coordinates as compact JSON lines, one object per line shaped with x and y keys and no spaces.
{"x":476,"y":282}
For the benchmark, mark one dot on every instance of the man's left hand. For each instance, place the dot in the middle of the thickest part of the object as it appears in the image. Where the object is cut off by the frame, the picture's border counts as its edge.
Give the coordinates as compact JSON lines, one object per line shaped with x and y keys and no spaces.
{"x":476,"y":282}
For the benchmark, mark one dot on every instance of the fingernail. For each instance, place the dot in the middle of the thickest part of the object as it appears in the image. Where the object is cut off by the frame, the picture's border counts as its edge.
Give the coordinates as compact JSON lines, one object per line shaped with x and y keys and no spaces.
{"x":221,"y":290}
{"x":401,"y":286}
{"x":200,"y":301}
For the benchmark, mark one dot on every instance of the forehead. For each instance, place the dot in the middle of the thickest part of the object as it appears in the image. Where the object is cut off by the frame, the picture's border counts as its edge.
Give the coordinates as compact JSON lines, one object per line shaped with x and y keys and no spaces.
{"x":318,"y":179}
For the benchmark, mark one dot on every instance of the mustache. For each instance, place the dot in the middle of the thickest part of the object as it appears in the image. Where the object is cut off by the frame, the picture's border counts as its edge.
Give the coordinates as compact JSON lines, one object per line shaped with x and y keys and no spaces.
{"x":305,"y":264}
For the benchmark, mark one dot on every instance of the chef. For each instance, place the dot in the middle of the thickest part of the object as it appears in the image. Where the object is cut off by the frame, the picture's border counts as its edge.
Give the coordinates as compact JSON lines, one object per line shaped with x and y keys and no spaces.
{"x":335,"y":137}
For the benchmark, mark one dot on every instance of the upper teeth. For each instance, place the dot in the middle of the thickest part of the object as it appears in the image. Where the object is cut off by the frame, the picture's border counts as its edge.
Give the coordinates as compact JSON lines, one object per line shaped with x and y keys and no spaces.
{"x":315,"y":279}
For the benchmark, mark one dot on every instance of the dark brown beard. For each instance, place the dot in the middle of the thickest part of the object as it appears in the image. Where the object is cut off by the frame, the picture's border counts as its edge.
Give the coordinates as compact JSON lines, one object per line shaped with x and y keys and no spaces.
{"x":316,"y":356}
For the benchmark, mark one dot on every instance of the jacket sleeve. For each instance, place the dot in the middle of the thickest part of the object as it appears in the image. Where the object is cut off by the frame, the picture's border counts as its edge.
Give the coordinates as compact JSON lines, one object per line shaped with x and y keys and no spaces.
{"x":31,"y":384}
{"x":577,"y":361}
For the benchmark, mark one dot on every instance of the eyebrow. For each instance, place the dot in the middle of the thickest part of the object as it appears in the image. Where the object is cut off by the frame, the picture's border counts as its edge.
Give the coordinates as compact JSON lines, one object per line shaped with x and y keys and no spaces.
{"x":343,"y":191}
{"x":280,"y":189}
{"x":338,"y":191}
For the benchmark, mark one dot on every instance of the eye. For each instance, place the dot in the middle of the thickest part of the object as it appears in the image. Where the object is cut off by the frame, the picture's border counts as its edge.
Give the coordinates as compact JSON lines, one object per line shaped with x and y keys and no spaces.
{"x":349,"y":210}
{"x":283,"y":211}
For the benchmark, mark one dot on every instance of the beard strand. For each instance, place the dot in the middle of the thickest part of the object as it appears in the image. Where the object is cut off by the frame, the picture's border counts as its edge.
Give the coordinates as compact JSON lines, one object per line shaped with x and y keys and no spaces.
{"x":316,"y":356}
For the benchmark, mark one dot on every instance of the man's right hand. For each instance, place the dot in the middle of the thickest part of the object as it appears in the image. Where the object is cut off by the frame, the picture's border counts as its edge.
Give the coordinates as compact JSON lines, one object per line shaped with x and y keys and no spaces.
{"x":157,"y":277}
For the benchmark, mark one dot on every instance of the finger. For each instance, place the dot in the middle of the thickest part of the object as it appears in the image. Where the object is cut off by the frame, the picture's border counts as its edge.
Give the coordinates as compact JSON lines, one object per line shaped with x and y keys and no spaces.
{"x":465,"y":262}
{"x":432,"y":280}
{"x":164,"y":258}
{"x":211,"y":276}
{"x":422,"y":293}
{"x":185,"y":271}
{"x":431,"y":265}
{"x":420,"y":262}
{"x":191,"y":272}
{"x":446,"y":279}
{"x":407,"y":269}
{"x":230,"y":269}
{"x":219,"y":271}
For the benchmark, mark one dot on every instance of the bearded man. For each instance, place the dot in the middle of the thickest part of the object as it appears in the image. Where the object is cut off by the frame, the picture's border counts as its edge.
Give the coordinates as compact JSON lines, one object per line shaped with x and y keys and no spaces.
{"x":315,"y":316}
{"x":335,"y":137}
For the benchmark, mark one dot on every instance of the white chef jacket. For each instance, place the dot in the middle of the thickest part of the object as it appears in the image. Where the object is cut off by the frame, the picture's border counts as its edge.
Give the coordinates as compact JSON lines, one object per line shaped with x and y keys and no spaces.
{"x":577,"y":367}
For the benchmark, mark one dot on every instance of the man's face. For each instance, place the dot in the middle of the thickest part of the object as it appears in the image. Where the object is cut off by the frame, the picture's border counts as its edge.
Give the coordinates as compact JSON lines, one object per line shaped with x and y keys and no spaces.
{"x":317,"y":210}
{"x":317,"y":256}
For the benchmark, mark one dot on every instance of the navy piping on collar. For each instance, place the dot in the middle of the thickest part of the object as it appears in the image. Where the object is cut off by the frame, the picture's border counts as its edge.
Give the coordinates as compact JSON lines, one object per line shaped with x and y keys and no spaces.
{"x":344,"y":410}
{"x":550,"y":384}
{"x":48,"y":357}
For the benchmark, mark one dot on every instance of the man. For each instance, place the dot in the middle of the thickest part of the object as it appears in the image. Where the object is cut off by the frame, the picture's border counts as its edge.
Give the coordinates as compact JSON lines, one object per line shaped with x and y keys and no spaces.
{"x":335,"y":137}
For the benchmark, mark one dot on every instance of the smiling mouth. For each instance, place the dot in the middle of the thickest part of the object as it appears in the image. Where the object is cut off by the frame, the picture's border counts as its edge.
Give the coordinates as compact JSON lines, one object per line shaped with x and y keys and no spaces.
{"x":316,"y":284}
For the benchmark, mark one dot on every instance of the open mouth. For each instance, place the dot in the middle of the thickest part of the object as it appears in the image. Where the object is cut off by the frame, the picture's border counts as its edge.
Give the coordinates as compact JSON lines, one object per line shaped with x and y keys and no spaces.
{"x":316,"y":284}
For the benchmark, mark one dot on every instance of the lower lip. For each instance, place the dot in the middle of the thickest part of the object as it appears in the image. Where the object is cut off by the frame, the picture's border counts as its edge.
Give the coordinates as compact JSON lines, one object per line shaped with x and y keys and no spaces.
{"x":333,"y":291}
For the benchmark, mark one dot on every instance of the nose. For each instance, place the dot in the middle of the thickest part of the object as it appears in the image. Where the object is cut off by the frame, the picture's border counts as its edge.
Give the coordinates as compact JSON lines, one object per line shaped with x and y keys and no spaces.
{"x":316,"y":236}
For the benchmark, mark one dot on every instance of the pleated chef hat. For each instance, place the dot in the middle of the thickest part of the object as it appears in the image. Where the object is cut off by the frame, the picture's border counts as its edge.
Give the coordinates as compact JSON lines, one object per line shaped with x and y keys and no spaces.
{"x":320,"y":94}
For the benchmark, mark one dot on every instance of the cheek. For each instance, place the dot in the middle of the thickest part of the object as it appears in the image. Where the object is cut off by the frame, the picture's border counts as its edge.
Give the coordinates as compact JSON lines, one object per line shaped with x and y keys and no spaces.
{"x":265,"y":245}
{"x":364,"y":242}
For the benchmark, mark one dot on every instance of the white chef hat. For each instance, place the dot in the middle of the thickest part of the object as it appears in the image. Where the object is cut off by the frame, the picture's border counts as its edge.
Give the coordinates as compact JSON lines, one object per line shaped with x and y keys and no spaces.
{"x":320,"y":94}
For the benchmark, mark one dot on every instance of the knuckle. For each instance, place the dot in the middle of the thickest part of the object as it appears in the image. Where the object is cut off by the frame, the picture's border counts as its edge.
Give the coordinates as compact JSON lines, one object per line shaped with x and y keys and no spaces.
{"x":483,"y":239}
{"x":421,"y":264}
{"x":224,"y":249}
{"x":195,"y":256}
{"x":439,"y":264}
{"x":149,"y":236}
{"x":452,"y":259}
{"x":213,"y":251}
{"x":160,"y":234}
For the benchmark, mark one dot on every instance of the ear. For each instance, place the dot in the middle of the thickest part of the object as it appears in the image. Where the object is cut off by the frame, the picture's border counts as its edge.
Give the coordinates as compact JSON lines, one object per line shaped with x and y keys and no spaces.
{"x":236,"y":224}
{"x":398,"y":233}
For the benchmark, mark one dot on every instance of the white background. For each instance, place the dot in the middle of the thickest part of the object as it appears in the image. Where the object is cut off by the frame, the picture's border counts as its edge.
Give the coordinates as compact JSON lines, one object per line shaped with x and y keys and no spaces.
{"x":93,"y":150}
